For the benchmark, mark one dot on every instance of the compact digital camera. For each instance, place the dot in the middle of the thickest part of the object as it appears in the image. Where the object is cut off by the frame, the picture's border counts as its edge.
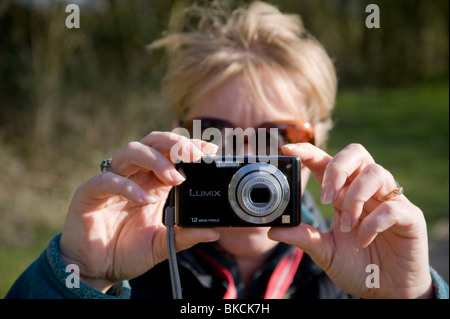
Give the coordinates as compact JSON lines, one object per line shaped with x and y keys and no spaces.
{"x":239,"y":191}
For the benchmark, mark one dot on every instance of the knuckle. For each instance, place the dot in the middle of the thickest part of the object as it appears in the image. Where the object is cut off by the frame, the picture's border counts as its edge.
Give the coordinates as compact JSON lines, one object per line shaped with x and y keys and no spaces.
{"x":366,"y":228}
{"x":174,"y":136}
{"x":155,"y":137}
{"x":131,"y":146}
{"x":183,"y":139}
{"x":353,"y":202}
{"x":358,"y":202}
{"x":336,"y":168}
{"x":356,"y":147}
{"x":106,"y":178}
{"x":375,"y":168}
{"x":95,"y":183}
{"x":390,"y":210}
{"x":154,"y":134}
{"x":124,"y":186}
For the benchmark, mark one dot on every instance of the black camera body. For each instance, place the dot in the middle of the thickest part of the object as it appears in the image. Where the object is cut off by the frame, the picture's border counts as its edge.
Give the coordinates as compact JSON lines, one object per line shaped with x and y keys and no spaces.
{"x":239,"y":191}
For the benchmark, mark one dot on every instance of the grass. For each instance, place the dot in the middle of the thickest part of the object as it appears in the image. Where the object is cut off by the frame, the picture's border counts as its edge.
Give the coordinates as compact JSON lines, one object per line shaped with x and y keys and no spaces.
{"x":14,"y":259}
{"x":406,"y":130}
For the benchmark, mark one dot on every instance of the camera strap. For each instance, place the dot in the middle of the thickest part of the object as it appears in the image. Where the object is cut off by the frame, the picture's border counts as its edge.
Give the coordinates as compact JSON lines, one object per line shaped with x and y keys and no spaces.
{"x":283,"y":275}
{"x":223,"y":273}
{"x":279,"y":282}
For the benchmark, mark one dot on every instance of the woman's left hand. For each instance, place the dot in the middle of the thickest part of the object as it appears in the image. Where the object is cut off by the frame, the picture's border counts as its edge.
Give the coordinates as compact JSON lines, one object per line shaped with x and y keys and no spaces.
{"x":366,"y":234}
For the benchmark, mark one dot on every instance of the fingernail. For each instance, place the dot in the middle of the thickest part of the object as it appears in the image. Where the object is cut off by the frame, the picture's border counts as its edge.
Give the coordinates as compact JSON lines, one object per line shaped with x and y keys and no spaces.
{"x":327,"y":194}
{"x":290,"y":146}
{"x":356,"y":245}
{"x":346,"y":223}
{"x":177,"y":177}
{"x":214,"y":149}
{"x":147,"y":198}
{"x":212,"y":239}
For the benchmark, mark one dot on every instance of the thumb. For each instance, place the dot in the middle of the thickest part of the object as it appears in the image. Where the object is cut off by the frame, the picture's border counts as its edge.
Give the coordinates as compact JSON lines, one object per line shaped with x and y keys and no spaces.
{"x":187,"y":237}
{"x":307,"y":238}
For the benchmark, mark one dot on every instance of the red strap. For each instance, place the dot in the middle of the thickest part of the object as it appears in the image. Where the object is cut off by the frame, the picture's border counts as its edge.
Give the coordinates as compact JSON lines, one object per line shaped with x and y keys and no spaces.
{"x":279,"y":281}
{"x":283,"y":274}
{"x":223,"y":273}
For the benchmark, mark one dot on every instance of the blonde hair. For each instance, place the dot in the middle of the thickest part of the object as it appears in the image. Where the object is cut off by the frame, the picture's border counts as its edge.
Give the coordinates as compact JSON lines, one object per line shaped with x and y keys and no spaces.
{"x":261,"y":44}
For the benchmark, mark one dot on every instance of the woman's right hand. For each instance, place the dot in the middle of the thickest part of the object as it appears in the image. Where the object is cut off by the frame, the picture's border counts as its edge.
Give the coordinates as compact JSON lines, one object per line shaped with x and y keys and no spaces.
{"x":113,"y":229}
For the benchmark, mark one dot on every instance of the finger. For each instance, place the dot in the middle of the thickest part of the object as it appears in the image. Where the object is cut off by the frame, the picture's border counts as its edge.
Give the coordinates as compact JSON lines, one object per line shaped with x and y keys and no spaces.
{"x":360,"y":191}
{"x":312,"y":157}
{"x":106,"y":184}
{"x":382,"y":218}
{"x":307,"y":238}
{"x":205,"y":147}
{"x":175,"y":146}
{"x":346,"y":164}
{"x":187,"y":237}
{"x":137,"y":156}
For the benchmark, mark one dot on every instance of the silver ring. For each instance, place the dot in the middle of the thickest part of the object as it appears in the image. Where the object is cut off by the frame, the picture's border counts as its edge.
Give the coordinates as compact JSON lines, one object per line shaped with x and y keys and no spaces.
{"x":105,"y":166}
{"x":396,"y":192}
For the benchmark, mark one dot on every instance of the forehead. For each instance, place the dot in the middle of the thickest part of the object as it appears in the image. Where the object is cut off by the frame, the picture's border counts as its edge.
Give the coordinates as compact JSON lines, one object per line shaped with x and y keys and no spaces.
{"x":246,"y":105}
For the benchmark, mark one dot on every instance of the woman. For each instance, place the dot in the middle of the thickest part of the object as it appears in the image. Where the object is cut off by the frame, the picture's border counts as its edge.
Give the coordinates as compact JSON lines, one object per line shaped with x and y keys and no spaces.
{"x":255,"y":66}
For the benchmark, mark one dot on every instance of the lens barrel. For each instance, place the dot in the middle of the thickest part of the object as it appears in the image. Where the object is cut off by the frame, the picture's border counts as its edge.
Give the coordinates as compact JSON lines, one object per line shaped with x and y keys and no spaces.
{"x":259,"y":193}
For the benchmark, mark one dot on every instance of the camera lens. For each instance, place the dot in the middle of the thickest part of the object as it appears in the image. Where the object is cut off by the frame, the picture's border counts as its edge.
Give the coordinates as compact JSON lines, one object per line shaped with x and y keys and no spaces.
{"x":260,"y":194}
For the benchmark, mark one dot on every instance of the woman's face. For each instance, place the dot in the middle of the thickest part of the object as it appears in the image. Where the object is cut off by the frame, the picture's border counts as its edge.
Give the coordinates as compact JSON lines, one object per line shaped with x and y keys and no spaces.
{"x":233,"y":103}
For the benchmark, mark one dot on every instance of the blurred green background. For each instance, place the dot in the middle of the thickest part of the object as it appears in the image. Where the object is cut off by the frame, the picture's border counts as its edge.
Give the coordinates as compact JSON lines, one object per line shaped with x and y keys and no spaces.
{"x":71,"y":97}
